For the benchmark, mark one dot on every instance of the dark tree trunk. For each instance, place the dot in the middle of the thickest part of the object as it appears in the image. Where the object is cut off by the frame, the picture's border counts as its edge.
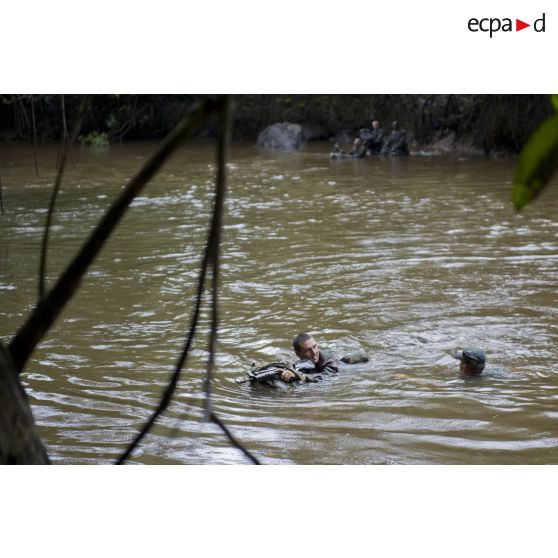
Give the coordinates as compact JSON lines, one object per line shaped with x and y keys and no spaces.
{"x":19,"y":442}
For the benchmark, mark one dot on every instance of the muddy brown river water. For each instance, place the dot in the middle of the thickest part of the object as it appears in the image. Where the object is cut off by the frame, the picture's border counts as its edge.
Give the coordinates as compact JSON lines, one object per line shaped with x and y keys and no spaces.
{"x":410,"y":259}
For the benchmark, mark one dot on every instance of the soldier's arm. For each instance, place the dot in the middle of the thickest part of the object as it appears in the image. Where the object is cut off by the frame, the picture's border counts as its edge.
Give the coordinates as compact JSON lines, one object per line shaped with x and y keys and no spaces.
{"x":331,"y":366}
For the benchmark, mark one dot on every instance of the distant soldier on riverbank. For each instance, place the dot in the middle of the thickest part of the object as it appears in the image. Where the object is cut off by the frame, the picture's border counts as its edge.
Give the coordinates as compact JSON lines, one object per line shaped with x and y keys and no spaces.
{"x":396,"y":143}
{"x":372,"y":138}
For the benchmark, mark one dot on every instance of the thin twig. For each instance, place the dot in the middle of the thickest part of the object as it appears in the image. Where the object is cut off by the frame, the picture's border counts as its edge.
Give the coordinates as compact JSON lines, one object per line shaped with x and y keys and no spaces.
{"x":66,"y":135}
{"x":25,"y":118}
{"x":17,"y":117}
{"x":61,"y":167}
{"x":1,"y":198}
{"x":50,"y":306}
{"x":62,"y":144}
{"x":33,"y":122}
{"x":213,"y":249}
{"x":175,"y":376}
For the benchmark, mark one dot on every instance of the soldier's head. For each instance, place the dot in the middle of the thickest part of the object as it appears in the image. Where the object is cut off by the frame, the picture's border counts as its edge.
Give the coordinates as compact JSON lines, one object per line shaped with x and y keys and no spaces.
{"x":375,"y":124}
{"x":356,"y":142}
{"x":395,"y":125}
{"x":472,"y":361}
{"x":305,"y":347}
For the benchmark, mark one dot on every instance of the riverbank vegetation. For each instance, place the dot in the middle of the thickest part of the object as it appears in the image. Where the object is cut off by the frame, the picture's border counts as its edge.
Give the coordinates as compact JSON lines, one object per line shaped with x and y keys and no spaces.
{"x":486,"y":124}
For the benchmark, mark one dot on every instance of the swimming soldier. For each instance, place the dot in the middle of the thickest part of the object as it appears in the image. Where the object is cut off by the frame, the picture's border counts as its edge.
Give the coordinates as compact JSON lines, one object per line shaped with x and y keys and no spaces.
{"x":358,"y":150}
{"x":472,"y":361}
{"x":312,"y":362}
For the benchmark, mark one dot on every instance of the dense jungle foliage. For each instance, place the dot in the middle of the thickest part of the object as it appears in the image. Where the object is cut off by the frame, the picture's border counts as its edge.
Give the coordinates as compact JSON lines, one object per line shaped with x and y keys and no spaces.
{"x":487,"y":123}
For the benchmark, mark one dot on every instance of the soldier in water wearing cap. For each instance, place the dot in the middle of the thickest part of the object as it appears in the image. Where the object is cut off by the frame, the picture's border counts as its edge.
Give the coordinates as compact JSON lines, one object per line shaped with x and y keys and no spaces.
{"x":472,"y":361}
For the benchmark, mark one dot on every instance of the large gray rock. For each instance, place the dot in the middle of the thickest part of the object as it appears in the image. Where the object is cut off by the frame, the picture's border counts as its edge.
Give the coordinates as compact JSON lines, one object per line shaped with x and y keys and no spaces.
{"x":282,"y":135}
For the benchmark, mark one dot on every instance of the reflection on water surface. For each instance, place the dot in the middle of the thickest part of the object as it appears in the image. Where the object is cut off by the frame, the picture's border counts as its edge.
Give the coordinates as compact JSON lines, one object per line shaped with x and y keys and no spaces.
{"x":408,"y":258}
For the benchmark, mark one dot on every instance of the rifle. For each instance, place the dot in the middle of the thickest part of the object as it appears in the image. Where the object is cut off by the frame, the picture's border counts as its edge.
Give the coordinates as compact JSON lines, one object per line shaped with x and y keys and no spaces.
{"x":274,"y":369}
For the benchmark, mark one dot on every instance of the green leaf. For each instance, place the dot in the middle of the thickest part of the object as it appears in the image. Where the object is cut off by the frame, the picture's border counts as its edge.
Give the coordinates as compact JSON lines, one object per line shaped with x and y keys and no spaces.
{"x":537,"y":163}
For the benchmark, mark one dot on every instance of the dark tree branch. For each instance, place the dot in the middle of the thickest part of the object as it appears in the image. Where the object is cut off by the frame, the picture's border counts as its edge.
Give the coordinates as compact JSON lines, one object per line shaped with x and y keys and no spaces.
{"x":214,"y":418}
{"x":171,"y":387}
{"x":214,"y":247}
{"x":61,"y":166}
{"x":33,"y":122}
{"x":1,"y":198}
{"x":210,"y":259}
{"x":50,"y":306}
{"x":65,"y":135}
{"x":214,"y":260}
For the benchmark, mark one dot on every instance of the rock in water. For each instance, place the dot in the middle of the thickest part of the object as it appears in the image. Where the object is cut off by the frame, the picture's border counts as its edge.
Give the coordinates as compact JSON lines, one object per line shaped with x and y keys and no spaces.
{"x":356,"y":357}
{"x":282,"y":135}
